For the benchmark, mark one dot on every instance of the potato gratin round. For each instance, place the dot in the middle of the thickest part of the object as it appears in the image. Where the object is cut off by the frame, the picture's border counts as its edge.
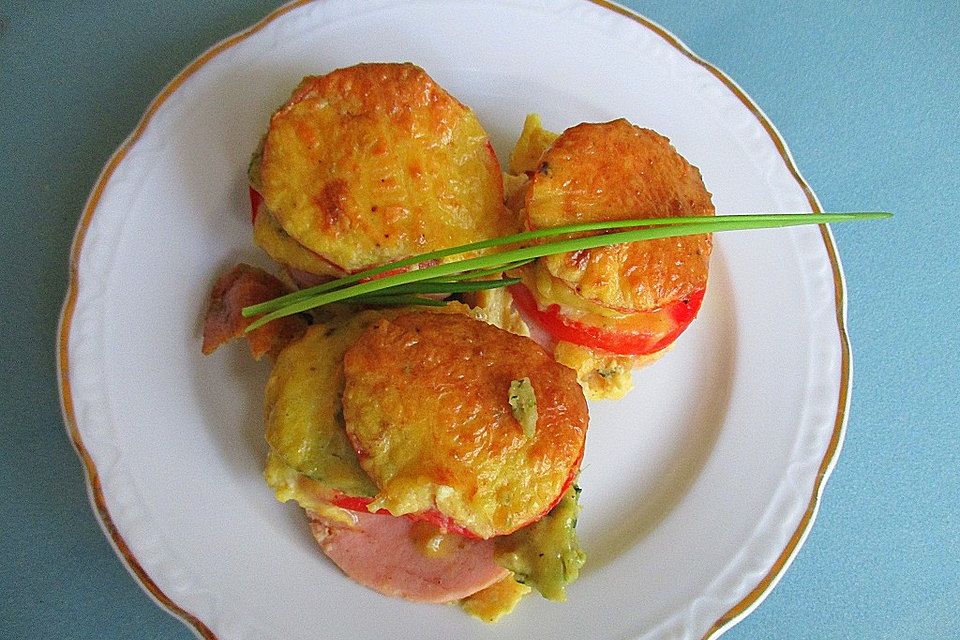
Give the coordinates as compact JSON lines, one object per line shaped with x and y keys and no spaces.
{"x":426,"y":406}
{"x":370,"y":164}
{"x":608,"y":309}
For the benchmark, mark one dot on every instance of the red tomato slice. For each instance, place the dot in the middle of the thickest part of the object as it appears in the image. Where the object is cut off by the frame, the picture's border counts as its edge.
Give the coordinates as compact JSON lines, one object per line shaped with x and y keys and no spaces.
{"x":255,"y":201}
{"x":675,"y":317}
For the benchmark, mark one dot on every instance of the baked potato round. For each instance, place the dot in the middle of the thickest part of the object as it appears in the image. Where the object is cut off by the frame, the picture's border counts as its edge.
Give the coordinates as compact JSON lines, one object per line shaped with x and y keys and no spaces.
{"x":427,"y":405}
{"x":610,"y":171}
{"x":376,"y":162}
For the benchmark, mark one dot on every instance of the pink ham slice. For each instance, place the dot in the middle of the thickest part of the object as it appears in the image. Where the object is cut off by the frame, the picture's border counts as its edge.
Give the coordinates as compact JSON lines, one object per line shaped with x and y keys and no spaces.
{"x":382,"y":553}
{"x":240,"y":287}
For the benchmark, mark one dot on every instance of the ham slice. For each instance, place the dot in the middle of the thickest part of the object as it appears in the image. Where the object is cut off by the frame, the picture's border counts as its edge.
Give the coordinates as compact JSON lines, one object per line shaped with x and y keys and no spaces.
{"x":392,"y":556}
{"x":240,"y":287}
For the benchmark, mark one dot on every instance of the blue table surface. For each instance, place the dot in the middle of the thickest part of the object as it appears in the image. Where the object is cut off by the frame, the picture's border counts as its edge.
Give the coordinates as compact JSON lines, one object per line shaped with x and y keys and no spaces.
{"x":866,"y":95}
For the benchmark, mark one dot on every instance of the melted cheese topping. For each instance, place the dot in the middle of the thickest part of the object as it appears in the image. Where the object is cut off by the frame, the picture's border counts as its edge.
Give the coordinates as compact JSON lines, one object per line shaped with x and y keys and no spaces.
{"x":288,"y":484}
{"x":495,"y":306}
{"x":546,"y":555}
{"x":376,"y":162}
{"x":426,"y":405}
{"x":613,"y":171}
{"x":603,"y":376}
{"x":495,"y":601}
{"x":302,"y":407}
{"x":534,"y":140}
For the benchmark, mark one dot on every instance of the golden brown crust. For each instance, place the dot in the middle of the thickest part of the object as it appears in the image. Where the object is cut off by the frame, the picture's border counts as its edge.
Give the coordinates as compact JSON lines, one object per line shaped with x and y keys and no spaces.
{"x":612,"y":171}
{"x":426,"y":406}
{"x":377,"y":162}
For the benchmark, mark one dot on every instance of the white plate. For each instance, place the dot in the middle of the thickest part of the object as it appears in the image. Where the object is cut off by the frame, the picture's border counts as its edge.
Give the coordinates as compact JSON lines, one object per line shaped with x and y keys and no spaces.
{"x":698,"y":489}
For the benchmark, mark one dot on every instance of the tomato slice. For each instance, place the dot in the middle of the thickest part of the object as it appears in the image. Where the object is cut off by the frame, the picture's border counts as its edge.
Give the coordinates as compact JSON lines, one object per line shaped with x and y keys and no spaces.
{"x":255,"y":201}
{"x":673,"y":318}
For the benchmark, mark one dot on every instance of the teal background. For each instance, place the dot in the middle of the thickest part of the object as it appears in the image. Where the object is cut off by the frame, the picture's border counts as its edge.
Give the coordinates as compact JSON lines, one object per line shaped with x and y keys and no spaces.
{"x":865,"y":94}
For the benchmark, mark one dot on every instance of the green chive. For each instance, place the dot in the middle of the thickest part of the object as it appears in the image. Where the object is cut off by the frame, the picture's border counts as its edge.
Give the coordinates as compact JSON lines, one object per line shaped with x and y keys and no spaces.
{"x":437,"y":286}
{"x":490,"y":243}
{"x":653,"y":228}
{"x":399,"y":301}
{"x":483,"y":273}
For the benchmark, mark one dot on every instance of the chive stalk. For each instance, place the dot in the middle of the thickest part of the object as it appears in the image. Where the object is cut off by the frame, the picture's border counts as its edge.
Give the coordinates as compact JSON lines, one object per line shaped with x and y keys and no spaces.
{"x":415,"y":281}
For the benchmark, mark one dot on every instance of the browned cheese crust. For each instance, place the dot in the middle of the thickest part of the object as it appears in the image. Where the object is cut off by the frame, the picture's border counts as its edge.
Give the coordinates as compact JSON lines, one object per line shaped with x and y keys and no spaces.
{"x":426,"y":406}
{"x":376,"y":162}
{"x":612,"y":171}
